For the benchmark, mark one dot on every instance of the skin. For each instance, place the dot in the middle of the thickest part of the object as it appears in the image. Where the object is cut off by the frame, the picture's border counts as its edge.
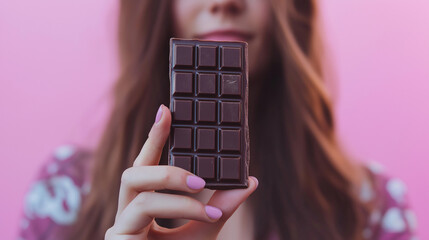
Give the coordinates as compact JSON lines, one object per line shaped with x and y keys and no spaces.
{"x":235,"y":20}
{"x":139,"y":204}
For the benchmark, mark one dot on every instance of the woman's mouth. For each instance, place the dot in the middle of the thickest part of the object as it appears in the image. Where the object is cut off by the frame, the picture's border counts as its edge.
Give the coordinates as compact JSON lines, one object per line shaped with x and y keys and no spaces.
{"x":225,"y":35}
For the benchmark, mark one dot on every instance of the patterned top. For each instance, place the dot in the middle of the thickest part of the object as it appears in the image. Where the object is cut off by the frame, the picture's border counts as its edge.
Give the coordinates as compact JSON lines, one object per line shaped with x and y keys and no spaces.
{"x":54,"y":199}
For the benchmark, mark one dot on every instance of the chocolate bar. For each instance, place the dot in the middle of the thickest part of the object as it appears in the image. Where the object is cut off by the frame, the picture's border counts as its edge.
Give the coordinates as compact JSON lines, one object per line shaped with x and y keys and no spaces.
{"x":208,"y":100}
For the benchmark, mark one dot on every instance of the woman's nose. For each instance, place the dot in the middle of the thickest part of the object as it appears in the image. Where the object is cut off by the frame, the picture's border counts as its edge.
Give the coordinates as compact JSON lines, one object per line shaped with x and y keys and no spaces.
{"x":227,"y":7}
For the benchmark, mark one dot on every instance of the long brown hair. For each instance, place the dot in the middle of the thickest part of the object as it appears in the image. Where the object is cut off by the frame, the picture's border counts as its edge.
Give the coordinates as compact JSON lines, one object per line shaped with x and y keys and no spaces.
{"x":308,"y":184}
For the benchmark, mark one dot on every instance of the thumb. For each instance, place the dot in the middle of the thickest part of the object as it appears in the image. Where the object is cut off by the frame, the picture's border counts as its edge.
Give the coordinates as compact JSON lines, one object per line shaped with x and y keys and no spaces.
{"x":152,"y":149}
{"x":227,"y":201}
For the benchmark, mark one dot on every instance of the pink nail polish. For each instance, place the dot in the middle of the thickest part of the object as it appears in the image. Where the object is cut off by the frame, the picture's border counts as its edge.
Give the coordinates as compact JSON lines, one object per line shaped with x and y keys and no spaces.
{"x":256,"y":180}
{"x":195,"y":182}
{"x":158,"y":114}
{"x":213,"y":212}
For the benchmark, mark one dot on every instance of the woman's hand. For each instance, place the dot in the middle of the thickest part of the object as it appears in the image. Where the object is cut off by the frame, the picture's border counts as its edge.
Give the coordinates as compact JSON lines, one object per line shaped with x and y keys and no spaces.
{"x":139,"y":204}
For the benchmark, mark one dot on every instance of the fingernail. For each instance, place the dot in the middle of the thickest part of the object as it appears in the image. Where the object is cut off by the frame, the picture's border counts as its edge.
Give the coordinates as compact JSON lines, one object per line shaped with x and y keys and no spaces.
{"x":195,"y":182}
{"x":213,"y":212}
{"x":256,"y":180}
{"x":158,"y":114}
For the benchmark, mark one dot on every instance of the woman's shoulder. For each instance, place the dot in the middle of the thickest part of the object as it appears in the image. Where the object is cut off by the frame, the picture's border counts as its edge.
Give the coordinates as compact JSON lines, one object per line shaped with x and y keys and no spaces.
{"x":55,"y":196}
{"x":392,"y":216}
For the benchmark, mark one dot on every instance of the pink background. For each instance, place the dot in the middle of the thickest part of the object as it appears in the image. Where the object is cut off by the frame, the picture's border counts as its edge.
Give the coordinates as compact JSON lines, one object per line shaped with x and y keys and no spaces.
{"x":58,"y":58}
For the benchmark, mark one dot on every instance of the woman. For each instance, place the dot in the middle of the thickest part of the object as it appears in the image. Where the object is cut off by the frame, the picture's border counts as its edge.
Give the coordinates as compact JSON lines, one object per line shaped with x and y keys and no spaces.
{"x":309,"y":188}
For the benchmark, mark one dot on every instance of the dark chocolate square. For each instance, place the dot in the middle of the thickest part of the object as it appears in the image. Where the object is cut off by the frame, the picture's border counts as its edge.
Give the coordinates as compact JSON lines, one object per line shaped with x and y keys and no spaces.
{"x":206,"y":139}
{"x":184,"y":56}
{"x":230,"y":168}
{"x":182,"y":138}
{"x":207,"y":57}
{"x":206,"y":84}
{"x":206,"y":167}
{"x":182,"y":83}
{"x":230,"y":84}
{"x":184,"y":162}
{"x":206,"y":111}
{"x":231,"y":57}
{"x":182,"y":110}
{"x":230,"y":112}
{"x":229,"y":140}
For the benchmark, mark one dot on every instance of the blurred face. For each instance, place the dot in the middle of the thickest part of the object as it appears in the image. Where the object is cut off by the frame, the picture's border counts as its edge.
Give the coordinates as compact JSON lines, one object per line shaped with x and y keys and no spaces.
{"x":228,"y":20}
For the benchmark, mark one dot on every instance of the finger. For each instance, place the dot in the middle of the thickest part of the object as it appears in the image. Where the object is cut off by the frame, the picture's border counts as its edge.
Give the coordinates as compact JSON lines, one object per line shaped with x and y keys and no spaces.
{"x":149,"y":178}
{"x":149,"y":205}
{"x":152,"y":149}
{"x":227,"y":201}
{"x":112,"y":235}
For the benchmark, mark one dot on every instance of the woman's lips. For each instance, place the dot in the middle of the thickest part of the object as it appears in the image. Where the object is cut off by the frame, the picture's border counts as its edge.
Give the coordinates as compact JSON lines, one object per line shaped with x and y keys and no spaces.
{"x":225,"y":35}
